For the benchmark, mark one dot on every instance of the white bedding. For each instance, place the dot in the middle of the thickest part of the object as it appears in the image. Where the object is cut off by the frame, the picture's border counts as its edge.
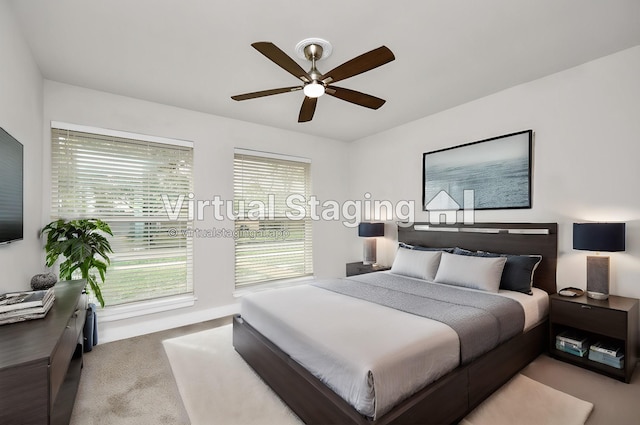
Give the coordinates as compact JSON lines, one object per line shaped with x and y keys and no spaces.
{"x":371,"y":355}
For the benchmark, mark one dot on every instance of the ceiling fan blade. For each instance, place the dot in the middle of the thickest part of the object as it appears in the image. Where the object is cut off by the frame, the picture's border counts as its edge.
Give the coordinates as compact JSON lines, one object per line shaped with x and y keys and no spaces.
{"x":265,"y":93}
{"x":308,"y":108}
{"x":280,"y":58}
{"x":360,"y":64}
{"x":356,"y":97}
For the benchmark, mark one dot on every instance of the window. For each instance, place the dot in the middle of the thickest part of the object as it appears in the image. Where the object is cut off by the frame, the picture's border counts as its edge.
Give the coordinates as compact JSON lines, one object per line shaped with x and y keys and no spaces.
{"x":121,"y":178}
{"x":273,"y":241}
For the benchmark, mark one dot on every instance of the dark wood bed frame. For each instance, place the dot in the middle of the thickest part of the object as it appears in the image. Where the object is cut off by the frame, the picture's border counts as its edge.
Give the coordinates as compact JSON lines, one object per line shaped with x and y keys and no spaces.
{"x":454,"y":395}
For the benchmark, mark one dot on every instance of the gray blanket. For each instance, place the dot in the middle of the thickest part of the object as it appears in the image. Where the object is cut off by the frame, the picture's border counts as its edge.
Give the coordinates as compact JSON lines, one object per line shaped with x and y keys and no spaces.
{"x":481,"y":320}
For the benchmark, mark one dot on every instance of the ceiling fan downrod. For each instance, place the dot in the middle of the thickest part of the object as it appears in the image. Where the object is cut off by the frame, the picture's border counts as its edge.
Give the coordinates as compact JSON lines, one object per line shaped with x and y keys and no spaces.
{"x":314,"y":88}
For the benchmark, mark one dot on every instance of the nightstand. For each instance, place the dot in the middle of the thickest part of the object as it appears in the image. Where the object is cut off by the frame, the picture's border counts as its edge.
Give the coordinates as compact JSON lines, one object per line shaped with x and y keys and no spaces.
{"x":614,"y":320}
{"x":354,"y":269}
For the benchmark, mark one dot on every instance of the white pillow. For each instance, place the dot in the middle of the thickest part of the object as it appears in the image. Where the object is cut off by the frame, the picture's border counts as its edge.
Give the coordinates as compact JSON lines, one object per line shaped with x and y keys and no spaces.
{"x":418,"y":264}
{"x":471,"y":272}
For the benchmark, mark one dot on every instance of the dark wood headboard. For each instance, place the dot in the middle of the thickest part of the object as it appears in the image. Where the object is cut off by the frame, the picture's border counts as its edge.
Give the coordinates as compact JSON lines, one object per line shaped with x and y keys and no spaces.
{"x":503,"y":238}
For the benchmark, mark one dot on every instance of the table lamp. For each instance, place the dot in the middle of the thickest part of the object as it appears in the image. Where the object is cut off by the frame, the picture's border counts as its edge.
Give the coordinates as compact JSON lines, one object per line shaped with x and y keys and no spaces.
{"x":604,"y":237}
{"x":370,"y":231}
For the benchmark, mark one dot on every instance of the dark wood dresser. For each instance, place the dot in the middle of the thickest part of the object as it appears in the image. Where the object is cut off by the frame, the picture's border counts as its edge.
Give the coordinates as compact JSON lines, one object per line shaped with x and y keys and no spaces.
{"x":41,"y":361}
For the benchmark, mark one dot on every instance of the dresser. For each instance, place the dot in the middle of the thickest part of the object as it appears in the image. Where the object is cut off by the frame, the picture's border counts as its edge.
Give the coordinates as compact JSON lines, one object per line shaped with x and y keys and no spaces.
{"x":41,"y":361}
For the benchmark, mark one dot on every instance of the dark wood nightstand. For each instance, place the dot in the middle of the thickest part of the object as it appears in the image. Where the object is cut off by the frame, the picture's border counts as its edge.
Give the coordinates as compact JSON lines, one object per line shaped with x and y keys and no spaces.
{"x":614,"y":320}
{"x":354,"y":269}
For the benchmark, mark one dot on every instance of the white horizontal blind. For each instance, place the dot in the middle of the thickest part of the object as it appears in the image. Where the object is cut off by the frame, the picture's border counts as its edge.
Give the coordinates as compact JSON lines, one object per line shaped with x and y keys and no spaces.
{"x":272,"y":247}
{"x":121,"y":181}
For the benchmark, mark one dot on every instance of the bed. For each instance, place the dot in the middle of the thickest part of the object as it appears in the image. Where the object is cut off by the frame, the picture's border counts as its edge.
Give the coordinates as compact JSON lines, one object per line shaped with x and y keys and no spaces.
{"x":274,"y":337}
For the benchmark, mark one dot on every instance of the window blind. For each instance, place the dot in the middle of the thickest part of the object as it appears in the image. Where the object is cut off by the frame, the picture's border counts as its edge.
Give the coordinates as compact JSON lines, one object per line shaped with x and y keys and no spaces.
{"x":272,"y":247}
{"x":122,"y":181}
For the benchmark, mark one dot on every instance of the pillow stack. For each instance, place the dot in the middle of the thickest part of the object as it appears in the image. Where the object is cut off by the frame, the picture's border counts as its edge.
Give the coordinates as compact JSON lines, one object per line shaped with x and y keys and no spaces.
{"x":482,"y":270}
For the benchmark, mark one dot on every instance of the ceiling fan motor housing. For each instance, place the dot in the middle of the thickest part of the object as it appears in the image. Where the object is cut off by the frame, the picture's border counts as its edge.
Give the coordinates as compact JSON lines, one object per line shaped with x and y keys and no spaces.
{"x":313,"y":52}
{"x":324,"y":46}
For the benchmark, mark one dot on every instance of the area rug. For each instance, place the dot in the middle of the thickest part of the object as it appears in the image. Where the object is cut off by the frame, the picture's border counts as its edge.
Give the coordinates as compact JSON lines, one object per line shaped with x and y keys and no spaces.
{"x":218,"y":387}
{"x":524,"y":401}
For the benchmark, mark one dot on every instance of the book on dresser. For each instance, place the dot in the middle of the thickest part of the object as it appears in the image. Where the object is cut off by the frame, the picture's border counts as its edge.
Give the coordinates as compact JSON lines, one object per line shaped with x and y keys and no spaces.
{"x":25,"y":299}
{"x":28,"y":305}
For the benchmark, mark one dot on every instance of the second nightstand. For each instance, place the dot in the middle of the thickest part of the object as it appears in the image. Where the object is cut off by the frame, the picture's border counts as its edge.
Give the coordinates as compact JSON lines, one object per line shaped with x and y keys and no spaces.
{"x":354,"y":269}
{"x":614,"y":320}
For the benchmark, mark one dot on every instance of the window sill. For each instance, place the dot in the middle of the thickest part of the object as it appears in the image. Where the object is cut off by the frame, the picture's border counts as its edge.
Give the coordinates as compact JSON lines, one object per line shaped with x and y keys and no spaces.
{"x":271,"y":285}
{"x":110,"y":314}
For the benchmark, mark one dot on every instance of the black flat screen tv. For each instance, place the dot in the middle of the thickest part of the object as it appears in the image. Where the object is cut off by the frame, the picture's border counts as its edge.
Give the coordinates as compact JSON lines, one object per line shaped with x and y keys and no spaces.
{"x":11,"y":188}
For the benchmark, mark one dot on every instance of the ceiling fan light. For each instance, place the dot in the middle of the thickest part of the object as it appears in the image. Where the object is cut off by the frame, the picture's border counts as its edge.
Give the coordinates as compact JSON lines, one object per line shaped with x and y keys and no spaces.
{"x":313,"y":90}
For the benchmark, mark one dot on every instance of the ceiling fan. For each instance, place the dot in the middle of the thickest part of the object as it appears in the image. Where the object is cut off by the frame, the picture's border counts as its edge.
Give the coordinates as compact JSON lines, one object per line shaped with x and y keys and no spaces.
{"x":315,"y":83}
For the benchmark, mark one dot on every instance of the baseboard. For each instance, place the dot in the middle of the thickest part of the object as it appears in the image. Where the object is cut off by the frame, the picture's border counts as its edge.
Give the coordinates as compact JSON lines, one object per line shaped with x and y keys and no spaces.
{"x":117,"y":330}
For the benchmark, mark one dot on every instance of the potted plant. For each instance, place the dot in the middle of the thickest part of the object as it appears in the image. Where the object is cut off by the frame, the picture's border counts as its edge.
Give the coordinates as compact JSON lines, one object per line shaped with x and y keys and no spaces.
{"x":83,"y":247}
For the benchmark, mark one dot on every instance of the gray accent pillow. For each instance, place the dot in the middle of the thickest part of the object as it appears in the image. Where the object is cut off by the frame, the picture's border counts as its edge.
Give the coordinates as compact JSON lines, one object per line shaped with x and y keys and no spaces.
{"x":518,"y":270}
{"x":461,"y":251}
{"x":424,"y":248}
{"x":475,"y":272}
{"x":416,"y":263}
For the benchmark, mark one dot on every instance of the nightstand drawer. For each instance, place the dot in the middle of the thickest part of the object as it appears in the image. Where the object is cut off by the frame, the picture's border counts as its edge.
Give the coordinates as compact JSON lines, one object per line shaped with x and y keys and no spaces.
{"x":603,"y":321}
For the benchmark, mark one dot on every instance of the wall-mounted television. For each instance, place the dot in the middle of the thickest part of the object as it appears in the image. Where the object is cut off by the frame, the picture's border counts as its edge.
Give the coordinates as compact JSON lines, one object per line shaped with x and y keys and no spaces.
{"x":11,"y":188}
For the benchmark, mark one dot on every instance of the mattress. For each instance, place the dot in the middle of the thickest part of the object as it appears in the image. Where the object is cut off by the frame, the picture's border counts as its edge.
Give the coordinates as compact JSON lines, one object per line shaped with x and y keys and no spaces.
{"x":371,"y":355}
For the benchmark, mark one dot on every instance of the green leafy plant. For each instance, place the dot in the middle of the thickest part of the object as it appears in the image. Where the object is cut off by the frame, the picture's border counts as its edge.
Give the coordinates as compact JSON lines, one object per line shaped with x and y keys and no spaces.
{"x":84,"y":248}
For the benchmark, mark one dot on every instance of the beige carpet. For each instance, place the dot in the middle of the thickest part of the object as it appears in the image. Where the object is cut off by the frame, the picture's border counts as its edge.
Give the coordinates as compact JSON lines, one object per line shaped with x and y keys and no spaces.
{"x":218,"y":387}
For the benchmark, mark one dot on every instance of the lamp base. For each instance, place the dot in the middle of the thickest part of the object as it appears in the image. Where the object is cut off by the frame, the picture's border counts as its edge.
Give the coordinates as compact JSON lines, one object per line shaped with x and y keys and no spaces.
{"x":598,"y":277}
{"x":369,"y":251}
{"x":597,"y":295}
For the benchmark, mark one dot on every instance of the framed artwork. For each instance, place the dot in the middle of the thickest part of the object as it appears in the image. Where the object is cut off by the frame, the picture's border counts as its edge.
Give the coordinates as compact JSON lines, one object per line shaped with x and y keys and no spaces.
{"x":489,"y":174}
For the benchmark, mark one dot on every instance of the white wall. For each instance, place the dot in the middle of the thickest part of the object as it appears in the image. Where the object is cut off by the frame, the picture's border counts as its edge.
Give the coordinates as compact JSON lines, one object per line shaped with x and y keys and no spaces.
{"x":586,"y":157}
{"x":214,"y":138}
{"x":21,"y":116}
{"x":585,"y":165}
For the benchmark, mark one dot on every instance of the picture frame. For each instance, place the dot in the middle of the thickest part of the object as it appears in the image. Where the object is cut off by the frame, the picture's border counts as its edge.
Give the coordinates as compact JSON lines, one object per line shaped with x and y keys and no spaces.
{"x":488,"y":174}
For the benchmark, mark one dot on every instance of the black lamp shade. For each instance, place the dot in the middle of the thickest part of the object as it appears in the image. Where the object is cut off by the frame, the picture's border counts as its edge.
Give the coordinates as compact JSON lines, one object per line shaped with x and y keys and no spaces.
{"x":605,"y":237}
{"x":370,"y":230}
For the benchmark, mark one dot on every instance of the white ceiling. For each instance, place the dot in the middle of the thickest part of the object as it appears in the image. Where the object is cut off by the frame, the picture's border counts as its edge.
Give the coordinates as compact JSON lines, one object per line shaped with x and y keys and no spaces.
{"x":195,"y":54}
